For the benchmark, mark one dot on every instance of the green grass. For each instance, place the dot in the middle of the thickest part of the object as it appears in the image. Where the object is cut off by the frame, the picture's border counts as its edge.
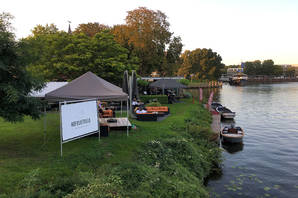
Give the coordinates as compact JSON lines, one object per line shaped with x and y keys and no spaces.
{"x":30,"y":165}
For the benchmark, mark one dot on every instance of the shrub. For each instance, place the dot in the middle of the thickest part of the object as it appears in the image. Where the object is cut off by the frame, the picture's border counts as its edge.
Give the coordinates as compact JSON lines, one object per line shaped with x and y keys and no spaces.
{"x":163,"y":99}
{"x":143,"y":83}
{"x":198,"y":132}
{"x":153,"y":104}
{"x":184,"y":81}
{"x":98,"y":189}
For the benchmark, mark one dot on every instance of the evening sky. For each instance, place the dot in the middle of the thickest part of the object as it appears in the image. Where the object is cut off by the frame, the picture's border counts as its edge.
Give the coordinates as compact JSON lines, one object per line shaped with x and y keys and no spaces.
{"x":239,"y":30}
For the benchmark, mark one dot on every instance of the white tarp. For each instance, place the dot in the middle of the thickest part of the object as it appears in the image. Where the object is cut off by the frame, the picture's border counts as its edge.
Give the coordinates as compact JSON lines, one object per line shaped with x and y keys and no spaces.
{"x":50,"y":86}
{"x":78,"y":119}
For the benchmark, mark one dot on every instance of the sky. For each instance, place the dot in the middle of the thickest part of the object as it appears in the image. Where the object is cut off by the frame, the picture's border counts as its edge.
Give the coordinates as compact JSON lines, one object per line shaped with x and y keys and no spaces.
{"x":238,"y":30}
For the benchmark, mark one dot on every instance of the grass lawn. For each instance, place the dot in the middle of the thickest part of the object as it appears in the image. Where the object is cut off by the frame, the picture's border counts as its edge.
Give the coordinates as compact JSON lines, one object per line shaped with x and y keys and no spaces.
{"x":24,"y":154}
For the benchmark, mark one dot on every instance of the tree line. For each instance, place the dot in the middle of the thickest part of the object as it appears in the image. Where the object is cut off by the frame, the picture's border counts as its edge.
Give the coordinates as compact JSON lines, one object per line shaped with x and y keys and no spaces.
{"x":143,"y":43}
{"x":267,"y":68}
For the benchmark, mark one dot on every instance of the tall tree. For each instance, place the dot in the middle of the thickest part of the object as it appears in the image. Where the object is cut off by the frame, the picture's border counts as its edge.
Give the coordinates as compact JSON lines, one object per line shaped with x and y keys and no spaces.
{"x":90,"y":29}
{"x":15,"y":81}
{"x":185,"y":68}
{"x":203,"y":63}
{"x":172,"y":58}
{"x":266,"y":67}
{"x":121,"y":36}
{"x":63,"y":56}
{"x":47,"y":29}
{"x":148,"y":32}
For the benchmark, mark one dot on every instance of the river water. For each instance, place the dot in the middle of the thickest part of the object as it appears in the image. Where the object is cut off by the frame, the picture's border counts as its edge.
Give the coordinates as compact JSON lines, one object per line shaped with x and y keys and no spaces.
{"x":266,"y":164}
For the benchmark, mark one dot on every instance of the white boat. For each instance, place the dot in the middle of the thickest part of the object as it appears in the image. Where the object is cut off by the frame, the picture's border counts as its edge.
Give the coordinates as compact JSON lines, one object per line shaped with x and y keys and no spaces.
{"x":239,"y":79}
{"x":232,"y":134}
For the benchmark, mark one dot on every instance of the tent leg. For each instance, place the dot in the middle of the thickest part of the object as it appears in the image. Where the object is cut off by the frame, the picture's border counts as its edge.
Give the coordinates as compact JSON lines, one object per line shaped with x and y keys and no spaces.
{"x":121,"y":108}
{"x":98,"y":122}
{"x":127,"y":118}
{"x":130,"y":94}
{"x":61,"y":141}
{"x":44,"y":124}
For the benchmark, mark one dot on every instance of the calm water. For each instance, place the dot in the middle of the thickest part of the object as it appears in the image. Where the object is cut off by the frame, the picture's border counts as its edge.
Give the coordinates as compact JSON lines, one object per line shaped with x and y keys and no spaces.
{"x":266,"y":165}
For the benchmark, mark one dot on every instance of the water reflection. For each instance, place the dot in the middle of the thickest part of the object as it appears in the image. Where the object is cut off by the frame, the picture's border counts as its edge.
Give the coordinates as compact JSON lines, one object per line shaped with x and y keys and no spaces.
{"x":232,"y":148}
{"x":268,"y":164}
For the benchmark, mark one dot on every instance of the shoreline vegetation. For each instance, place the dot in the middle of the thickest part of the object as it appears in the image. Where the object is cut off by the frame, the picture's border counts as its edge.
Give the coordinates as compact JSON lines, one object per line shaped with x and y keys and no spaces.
{"x":170,"y":158}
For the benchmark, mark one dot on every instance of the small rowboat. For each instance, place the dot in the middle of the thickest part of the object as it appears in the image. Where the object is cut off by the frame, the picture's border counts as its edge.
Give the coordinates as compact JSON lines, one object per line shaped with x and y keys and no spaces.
{"x":225,"y":112}
{"x":232,"y":134}
{"x":214,"y":105}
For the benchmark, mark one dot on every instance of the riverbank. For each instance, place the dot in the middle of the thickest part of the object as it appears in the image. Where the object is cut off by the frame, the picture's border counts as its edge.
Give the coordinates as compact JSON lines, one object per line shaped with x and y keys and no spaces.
{"x":159,"y":159}
{"x":211,"y":84}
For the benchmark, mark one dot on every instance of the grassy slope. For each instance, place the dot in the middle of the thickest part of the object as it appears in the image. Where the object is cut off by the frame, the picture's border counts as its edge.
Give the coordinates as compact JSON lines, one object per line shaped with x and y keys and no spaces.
{"x":22,"y":150}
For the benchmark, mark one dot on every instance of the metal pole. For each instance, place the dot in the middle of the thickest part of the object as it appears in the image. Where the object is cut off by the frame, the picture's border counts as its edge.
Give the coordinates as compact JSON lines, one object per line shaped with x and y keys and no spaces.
{"x":127,"y":119}
{"x":121,"y":108}
{"x":130,"y":93}
{"x":98,"y":123}
{"x":61,"y":151}
{"x":44,"y":124}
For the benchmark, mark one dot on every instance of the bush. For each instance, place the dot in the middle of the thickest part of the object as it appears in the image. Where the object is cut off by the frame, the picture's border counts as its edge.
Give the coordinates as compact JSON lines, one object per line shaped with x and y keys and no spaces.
{"x":153,"y":104}
{"x":98,"y":189}
{"x":198,"y":132}
{"x":143,"y":83}
{"x":184,"y":81}
{"x":166,"y":154}
{"x":163,"y":99}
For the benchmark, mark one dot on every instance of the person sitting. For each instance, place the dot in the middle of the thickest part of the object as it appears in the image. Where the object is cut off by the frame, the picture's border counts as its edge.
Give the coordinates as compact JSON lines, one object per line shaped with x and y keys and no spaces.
{"x":100,"y":109}
{"x":134,"y":103}
{"x":141,"y":110}
{"x":100,"y":112}
{"x":99,"y":104}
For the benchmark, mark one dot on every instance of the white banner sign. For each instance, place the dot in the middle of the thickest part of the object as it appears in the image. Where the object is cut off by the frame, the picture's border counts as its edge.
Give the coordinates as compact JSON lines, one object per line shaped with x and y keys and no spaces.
{"x":78,"y":119}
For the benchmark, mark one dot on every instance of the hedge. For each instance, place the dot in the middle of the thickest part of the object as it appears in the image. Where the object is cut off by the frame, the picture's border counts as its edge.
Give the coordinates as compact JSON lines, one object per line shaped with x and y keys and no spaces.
{"x":163,"y":99}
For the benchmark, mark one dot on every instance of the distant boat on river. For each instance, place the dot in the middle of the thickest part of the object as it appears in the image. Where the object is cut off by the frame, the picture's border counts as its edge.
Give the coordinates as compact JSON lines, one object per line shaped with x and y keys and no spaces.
{"x":239,"y":79}
{"x":232,"y":134}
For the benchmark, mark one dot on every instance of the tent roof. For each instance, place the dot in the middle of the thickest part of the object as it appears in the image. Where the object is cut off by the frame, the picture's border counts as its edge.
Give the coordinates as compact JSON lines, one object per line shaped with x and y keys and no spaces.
{"x":167,"y":84}
{"x":50,"y":86}
{"x":87,"y":86}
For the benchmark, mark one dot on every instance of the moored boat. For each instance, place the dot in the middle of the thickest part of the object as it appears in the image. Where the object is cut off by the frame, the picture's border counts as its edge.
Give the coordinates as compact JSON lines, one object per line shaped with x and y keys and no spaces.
{"x":214,"y":105}
{"x":225,"y":112}
{"x":232,"y":134}
{"x":239,"y":79}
